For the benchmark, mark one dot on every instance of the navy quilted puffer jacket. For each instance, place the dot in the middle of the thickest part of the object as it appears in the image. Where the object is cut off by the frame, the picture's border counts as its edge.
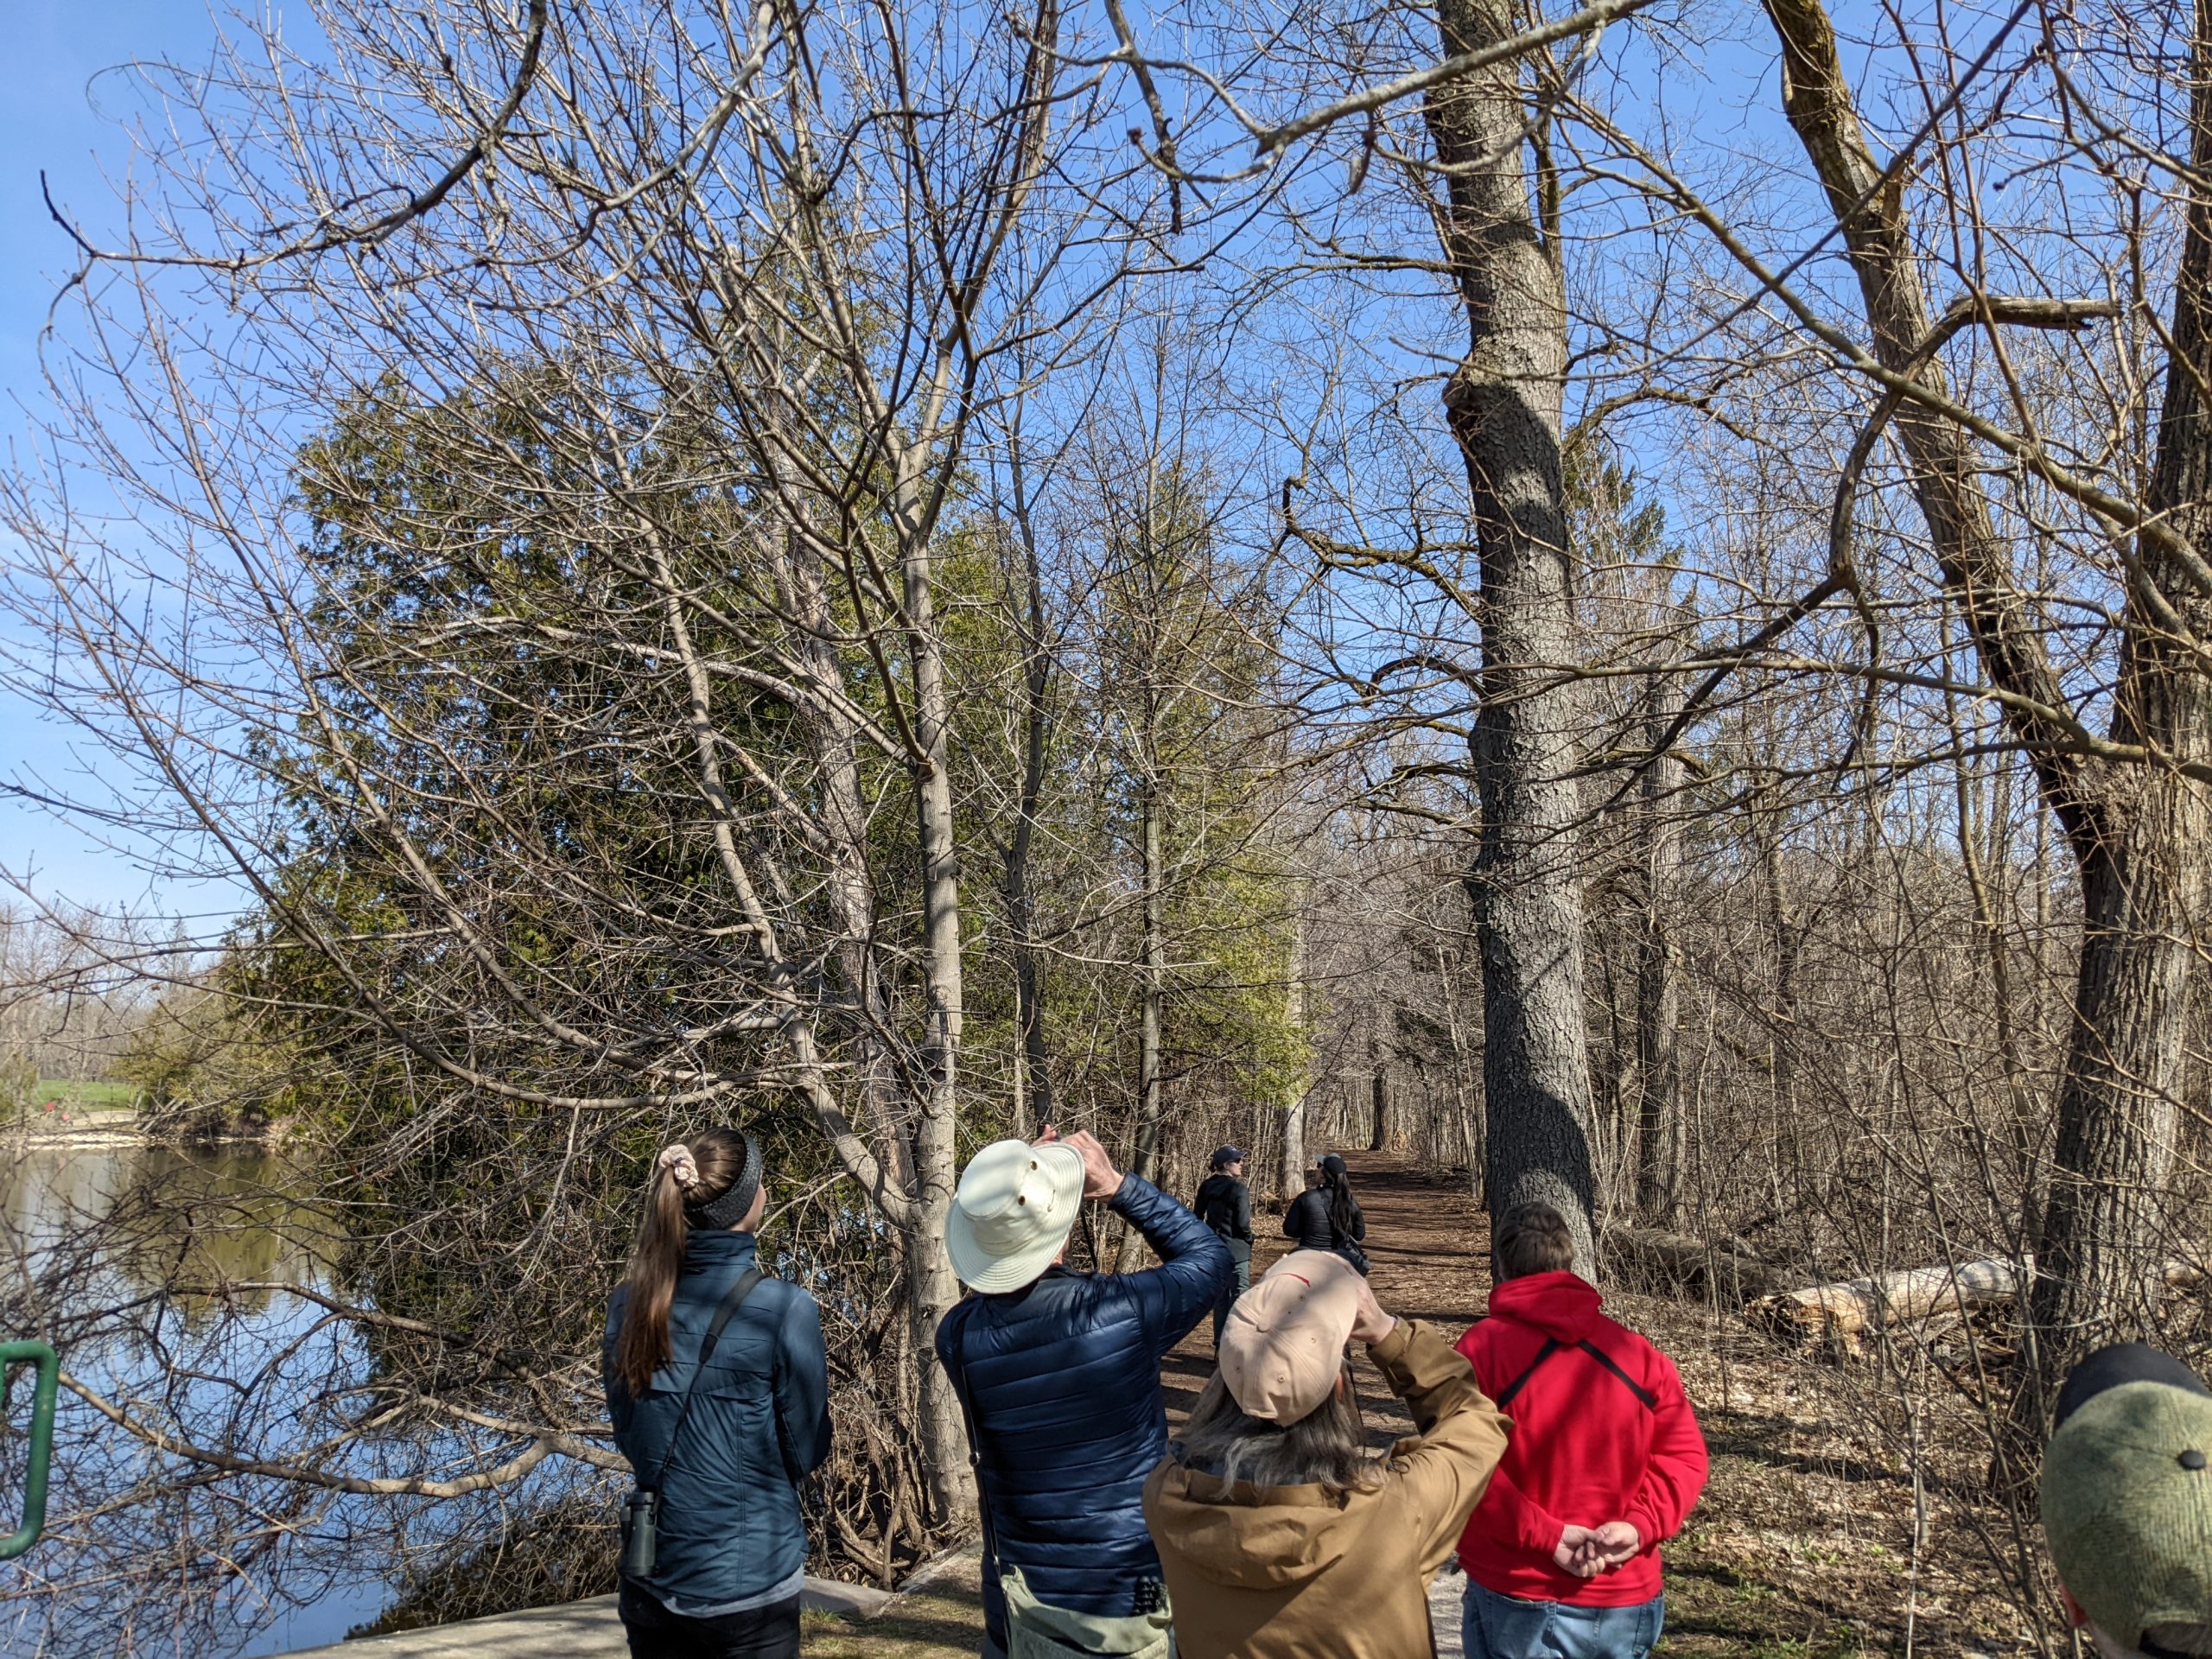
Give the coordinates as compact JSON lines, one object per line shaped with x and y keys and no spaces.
{"x":1061,"y":1379}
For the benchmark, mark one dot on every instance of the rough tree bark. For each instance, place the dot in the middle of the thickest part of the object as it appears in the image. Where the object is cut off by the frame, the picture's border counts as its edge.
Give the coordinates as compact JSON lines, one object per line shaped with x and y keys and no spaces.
{"x":1032,"y":1102}
{"x":2147,"y":874}
{"x":1291,"y":1174}
{"x":1658,"y":1016}
{"x":1504,"y":402}
{"x":2141,"y":836}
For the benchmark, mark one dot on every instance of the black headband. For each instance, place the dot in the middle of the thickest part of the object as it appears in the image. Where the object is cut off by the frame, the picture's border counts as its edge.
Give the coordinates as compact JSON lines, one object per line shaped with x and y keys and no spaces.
{"x":726,"y":1212}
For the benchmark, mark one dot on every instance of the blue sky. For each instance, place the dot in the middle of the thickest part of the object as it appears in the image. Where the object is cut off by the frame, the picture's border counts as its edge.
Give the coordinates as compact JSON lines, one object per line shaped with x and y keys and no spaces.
{"x":58,"y":114}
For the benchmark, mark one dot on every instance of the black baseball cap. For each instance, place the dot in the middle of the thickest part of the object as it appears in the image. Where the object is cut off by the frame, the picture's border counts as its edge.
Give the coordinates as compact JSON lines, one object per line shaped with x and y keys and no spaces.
{"x":1225,"y":1156}
{"x":2123,"y":1361}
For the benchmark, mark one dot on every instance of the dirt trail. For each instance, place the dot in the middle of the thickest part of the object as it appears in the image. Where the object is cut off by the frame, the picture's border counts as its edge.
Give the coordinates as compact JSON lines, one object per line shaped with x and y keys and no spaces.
{"x":1429,"y":1247}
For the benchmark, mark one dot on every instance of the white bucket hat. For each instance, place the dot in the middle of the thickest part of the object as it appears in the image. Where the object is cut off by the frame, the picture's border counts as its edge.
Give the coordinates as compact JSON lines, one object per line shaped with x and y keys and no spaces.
{"x":1011,"y":1213}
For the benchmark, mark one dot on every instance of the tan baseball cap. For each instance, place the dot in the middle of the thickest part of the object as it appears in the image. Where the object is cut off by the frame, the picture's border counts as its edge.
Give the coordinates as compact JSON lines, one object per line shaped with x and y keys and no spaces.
{"x":1012,"y":1212}
{"x":1283,"y":1347}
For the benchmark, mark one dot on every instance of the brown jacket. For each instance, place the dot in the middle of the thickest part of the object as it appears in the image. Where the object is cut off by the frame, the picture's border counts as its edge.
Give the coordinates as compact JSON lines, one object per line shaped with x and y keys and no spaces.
{"x":1290,"y":1573}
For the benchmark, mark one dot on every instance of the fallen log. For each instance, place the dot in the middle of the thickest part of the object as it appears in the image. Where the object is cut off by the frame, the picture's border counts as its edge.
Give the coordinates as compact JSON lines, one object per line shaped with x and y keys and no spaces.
{"x":1842,"y":1314}
{"x":1654,"y":1259}
{"x":1839,"y":1315}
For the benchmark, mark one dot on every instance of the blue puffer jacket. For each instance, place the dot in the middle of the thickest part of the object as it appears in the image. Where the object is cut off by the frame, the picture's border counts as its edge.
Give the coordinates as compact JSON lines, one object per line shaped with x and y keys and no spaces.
{"x":1061,"y":1379}
{"x":730,"y":1527}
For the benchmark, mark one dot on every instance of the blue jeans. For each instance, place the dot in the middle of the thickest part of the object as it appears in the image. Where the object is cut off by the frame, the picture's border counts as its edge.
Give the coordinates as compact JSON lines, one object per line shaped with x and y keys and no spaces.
{"x":1492,"y":1626}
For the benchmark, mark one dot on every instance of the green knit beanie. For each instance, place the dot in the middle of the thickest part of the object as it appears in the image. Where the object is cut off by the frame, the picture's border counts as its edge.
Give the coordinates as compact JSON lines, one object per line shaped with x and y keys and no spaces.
{"x":2127,"y":1507}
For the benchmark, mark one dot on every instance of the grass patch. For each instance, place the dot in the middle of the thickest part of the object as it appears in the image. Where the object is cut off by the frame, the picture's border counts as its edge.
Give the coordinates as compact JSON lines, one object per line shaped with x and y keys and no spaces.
{"x":948,"y":1626}
{"x":68,"y":1095}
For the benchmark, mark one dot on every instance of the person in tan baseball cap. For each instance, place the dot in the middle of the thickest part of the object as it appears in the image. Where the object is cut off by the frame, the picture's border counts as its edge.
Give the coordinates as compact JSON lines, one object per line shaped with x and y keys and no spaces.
{"x":1283,"y":1350}
{"x":1281,"y":1534}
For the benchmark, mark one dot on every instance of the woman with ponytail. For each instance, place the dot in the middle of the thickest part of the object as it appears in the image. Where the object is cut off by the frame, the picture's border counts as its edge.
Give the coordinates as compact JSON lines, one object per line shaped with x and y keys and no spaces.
{"x":718,"y":1391}
{"x":1325,"y":1216}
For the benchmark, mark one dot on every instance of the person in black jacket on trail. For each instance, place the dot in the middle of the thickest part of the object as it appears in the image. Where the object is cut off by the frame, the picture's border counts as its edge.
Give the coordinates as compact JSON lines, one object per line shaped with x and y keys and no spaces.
{"x":1224,"y":1204}
{"x":1325,"y":1216}
{"x":1058,"y":1376}
{"x":724,"y":1433}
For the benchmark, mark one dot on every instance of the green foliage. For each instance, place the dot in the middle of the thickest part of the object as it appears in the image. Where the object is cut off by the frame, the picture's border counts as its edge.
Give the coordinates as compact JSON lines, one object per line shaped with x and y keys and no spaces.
{"x":18,"y":1082}
{"x":200,"y":1066}
{"x":1160,"y":659}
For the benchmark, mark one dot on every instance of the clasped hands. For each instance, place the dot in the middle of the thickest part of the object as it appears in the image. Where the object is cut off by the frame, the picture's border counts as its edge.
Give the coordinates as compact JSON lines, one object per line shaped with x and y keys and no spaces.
{"x":1588,"y":1551}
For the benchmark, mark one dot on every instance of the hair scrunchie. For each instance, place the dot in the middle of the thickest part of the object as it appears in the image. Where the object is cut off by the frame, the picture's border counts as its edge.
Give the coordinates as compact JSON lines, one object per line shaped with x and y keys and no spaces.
{"x":683,"y":1168}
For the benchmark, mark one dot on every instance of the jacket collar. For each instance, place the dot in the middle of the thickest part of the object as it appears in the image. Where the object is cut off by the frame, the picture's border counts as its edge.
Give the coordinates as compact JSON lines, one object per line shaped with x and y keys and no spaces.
{"x":717,"y":1248}
{"x":1560,"y":1305}
{"x":1008,"y":1298}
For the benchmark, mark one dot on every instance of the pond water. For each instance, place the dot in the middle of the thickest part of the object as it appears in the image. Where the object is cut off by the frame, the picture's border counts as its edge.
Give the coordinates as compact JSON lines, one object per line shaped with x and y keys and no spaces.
{"x":99,"y":1238}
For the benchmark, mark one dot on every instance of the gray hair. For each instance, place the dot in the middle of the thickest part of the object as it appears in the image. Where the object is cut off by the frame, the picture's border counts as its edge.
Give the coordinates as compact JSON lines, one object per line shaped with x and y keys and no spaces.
{"x":1328,"y":1447}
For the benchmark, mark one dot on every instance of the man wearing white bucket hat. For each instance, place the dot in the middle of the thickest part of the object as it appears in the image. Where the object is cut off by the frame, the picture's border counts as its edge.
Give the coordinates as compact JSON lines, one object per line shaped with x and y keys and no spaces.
{"x":1059,"y":1373}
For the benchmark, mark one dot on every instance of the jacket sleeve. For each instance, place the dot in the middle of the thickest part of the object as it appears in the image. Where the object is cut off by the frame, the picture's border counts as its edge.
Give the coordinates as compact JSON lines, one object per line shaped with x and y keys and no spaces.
{"x":1675,"y":1474}
{"x":1510,"y":1515}
{"x":802,"y":1388}
{"x":1442,"y":1472}
{"x":1292,"y":1227}
{"x":1241,"y":1226}
{"x":1194,"y":1264}
{"x":1358,"y":1221}
{"x":620,"y":1408}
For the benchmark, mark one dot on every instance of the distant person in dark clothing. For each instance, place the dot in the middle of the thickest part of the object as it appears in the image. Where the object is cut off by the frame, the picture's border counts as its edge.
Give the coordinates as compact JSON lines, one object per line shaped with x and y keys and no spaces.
{"x":1225,"y":1204}
{"x":728,"y":1454}
{"x":1325,"y":1216}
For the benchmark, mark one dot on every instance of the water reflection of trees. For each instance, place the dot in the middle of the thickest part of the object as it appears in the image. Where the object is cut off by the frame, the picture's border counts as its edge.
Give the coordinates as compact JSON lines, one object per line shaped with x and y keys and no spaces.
{"x":169,"y":1220}
{"x":161,"y":1277}
{"x":242,"y":1430}
{"x":374,"y":1377}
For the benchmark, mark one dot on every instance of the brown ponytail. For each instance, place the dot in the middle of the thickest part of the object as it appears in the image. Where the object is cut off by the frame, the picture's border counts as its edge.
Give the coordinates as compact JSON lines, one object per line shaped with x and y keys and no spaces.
{"x":657,"y":1259}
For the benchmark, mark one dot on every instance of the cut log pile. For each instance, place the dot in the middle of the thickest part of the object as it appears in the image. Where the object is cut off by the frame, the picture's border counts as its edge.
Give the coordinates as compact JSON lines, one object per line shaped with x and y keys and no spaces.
{"x":1836,"y":1317}
{"x":1839,"y":1316}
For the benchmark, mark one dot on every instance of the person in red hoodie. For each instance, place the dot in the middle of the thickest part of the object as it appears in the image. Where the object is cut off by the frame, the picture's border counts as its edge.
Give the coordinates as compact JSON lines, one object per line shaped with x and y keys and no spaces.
{"x":1604,"y":1462}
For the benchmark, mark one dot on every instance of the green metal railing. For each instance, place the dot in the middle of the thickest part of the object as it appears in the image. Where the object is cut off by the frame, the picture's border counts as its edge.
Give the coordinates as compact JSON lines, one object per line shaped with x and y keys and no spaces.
{"x":40,"y":1354}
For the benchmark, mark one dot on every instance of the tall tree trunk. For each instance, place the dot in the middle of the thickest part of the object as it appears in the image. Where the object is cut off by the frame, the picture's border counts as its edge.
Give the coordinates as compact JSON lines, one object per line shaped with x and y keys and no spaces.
{"x":1504,"y":402}
{"x":1149,"y":1080}
{"x":1471,"y":1137}
{"x":932,"y":1286}
{"x":1786,"y":930}
{"x":1291,"y":1174}
{"x":1658,"y":1019}
{"x":2146,"y":877}
{"x":833,"y":744}
{"x":1032,"y":1059}
{"x":1381,"y":1140}
{"x":1145,"y":1158}
{"x":2139,"y":836}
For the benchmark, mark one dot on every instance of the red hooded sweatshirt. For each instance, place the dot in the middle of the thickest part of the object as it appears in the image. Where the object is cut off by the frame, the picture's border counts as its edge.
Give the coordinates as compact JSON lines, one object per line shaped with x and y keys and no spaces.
{"x":1601,"y":1431}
